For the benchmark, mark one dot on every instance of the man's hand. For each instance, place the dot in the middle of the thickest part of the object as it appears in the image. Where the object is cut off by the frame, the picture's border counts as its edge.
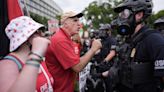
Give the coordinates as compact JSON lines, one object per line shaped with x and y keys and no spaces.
{"x":96,"y":75}
{"x":96,"y":45}
{"x":113,"y":72}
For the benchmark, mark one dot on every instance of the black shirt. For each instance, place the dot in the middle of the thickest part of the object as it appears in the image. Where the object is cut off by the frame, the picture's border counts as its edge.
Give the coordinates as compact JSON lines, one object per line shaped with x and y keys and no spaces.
{"x":107,"y":44}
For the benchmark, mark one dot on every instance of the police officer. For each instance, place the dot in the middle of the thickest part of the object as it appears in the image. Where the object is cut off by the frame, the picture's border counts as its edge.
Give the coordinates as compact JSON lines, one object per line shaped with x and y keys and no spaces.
{"x":159,"y":25}
{"x":109,"y":43}
{"x":144,"y":57}
{"x":105,"y":57}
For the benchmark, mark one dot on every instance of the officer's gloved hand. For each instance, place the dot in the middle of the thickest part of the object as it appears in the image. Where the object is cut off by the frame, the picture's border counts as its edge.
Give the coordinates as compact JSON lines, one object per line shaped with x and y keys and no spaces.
{"x":113,"y":72}
{"x":96,"y":75}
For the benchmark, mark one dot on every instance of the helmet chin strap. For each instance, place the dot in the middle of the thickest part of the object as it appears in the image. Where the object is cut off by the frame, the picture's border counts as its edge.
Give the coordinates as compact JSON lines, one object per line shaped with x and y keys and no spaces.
{"x":133,"y":24}
{"x":136,"y":23}
{"x":141,"y":21}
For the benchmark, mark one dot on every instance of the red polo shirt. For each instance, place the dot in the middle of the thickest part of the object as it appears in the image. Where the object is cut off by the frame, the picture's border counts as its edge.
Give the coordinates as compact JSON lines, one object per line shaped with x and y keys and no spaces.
{"x":60,"y":57}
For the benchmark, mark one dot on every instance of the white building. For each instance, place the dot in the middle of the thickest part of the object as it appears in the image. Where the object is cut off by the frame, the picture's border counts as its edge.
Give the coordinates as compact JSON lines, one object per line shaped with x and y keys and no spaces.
{"x":45,"y":8}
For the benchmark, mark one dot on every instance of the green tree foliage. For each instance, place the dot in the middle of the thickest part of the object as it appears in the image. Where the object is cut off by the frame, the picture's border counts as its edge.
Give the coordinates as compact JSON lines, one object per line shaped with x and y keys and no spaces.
{"x":153,"y":17}
{"x":159,"y":14}
{"x":105,"y":10}
{"x":38,"y":18}
{"x":100,"y":14}
{"x":58,"y":17}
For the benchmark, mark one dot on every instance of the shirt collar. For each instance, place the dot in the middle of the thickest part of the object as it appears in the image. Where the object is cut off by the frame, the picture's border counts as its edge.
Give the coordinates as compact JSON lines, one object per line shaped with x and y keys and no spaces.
{"x":67,"y":35}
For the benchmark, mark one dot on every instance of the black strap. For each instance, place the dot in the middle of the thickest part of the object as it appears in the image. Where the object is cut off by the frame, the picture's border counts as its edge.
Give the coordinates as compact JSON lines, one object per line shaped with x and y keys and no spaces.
{"x":140,"y":37}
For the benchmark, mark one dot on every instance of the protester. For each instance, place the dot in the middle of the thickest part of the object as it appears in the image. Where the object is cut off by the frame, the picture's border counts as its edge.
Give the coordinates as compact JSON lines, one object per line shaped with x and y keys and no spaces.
{"x":77,"y":47}
{"x":61,"y":58}
{"x":77,"y":43}
{"x":22,"y":70}
{"x":143,"y":58}
{"x":101,"y":62}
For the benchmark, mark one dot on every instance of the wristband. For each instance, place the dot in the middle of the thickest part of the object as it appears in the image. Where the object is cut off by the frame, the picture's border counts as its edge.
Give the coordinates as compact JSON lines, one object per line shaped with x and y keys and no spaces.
{"x":41,"y":58}
{"x":37,"y":65}
{"x":35,"y":60}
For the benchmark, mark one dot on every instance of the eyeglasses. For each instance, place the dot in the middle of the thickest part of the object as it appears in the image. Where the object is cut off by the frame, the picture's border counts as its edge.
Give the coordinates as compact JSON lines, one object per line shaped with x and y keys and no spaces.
{"x":125,"y":13}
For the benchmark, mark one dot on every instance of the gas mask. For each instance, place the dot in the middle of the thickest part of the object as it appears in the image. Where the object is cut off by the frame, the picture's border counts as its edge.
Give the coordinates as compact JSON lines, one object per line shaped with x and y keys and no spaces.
{"x":126,"y":22}
{"x":103,"y":34}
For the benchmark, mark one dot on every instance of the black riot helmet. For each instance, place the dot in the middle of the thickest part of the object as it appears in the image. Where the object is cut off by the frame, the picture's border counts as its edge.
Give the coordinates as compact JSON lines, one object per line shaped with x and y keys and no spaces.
{"x":104,"y":31}
{"x":159,"y":24}
{"x":105,"y":27}
{"x":126,"y":20}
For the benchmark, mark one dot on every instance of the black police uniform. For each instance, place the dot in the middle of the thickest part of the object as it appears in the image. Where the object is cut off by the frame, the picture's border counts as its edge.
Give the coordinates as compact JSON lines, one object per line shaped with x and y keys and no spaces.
{"x":146,"y":63}
{"x":108,"y":44}
{"x":159,"y":25}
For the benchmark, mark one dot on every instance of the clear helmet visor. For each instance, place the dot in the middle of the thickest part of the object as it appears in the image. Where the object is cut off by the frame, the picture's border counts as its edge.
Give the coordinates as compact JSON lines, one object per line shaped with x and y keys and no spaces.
{"x":125,"y":13}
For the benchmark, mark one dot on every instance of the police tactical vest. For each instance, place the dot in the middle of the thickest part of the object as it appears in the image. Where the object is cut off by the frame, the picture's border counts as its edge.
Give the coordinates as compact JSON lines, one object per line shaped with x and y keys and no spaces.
{"x":131,"y":71}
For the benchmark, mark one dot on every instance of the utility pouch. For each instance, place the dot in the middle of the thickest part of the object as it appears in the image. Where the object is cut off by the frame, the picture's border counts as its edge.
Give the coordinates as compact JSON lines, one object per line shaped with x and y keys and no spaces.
{"x":142,"y":72}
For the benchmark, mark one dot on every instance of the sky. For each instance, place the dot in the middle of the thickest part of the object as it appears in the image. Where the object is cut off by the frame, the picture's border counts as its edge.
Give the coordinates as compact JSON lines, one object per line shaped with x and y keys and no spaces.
{"x":79,"y":5}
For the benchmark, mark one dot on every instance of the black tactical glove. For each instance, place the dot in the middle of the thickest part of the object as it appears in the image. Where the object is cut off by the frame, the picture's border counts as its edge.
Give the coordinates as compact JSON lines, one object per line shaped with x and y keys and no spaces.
{"x":113,"y":73}
{"x":96,"y":75}
{"x":104,"y":66}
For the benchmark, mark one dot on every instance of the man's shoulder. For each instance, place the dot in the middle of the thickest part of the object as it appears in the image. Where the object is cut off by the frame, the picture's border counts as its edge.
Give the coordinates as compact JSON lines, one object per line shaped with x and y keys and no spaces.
{"x":153,"y":41}
{"x":58,"y":36}
{"x":155,"y":37}
{"x":150,"y":34}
